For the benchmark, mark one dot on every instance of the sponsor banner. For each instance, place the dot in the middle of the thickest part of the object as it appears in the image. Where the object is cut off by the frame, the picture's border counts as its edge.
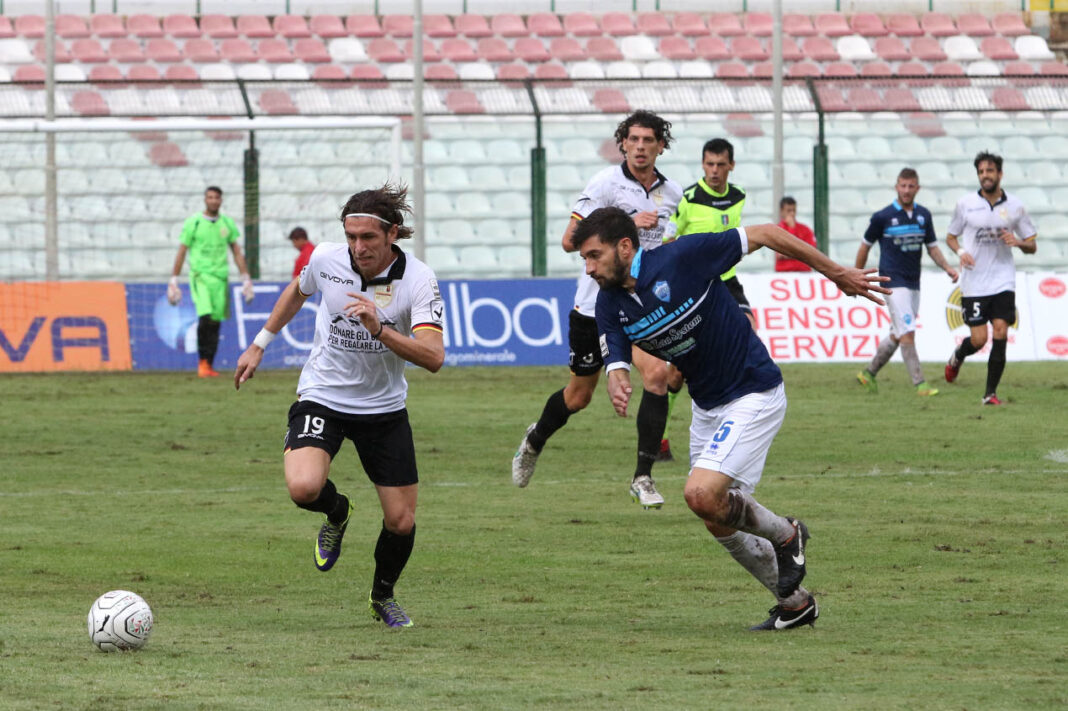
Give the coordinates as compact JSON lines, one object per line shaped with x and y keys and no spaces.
{"x":1049,"y":305}
{"x":52,"y":326}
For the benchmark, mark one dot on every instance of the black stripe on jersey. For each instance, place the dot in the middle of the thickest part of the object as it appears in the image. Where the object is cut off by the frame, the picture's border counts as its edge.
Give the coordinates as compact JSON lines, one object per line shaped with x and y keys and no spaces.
{"x":699,"y":196}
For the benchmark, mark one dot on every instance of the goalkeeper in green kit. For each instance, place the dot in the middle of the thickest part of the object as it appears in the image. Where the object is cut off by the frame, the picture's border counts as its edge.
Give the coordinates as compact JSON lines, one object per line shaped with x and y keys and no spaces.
{"x":206,"y":236}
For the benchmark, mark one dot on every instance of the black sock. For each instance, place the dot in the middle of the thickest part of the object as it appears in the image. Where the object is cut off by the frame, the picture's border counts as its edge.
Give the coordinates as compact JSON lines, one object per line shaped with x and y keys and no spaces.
{"x":553,"y":417}
{"x":964,"y":350}
{"x":391,"y":555}
{"x":995,"y":365}
{"x":207,"y":338}
{"x":331,"y":503}
{"x":652,"y":419}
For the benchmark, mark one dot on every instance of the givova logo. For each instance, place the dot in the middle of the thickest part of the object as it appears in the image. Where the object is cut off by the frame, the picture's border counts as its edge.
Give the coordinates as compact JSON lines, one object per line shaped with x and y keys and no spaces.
{"x":955,"y":311}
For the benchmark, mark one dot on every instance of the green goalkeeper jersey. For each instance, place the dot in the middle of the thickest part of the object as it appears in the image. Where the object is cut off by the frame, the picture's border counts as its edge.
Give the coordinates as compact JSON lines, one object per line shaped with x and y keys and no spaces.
{"x":704,"y":210}
{"x":208,"y":242}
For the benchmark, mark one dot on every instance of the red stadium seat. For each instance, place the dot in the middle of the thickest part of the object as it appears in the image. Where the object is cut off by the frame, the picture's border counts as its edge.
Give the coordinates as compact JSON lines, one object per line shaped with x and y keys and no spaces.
{"x":713,"y":49}
{"x":276,"y":102}
{"x":868,"y":24}
{"x":676,"y":48}
{"x":831,"y":98}
{"x":514,"y":71}
{"x":493,"y":49}
{"x":125,"y":51}
{"x":274,"y":51}
{"x":732,"y":70}
{"x":200,"y":51}
{"x":911,"y":69}
{"x":62,"y":54}
{"x":927,"y":49}
{"x":71,"y":26}
{"x":1054,"y":69}
{"x":89,"y":103}
{"x":6,"y":28}
{"x":29,"y":73}
{"x":566,"y":49}
{"x":797,"y":25}
{"x":839,"y":69}
{"x":254,"y":26}
{"x":438,"y":26}
{"x":364,"y":26}
{"x":551,"y":71}
{"x":861,"y":98}
{"x":530,"y":49}
{"x":384,"y":50}
{"x":803,"y":69}
{"x":311,"y":50}
{"x":291,"y":26}
{"x":974,"y":24}
{"x":30,"y":26}
{"x":690,"y":24}
{"x":1007,"y":98}
{"x":180,"y":26}
{"x":603,"y":49}
{"x":237,"y":51}
{"x":892,"y":49}
{"x":143,"y":26}
{"x":898,"y":99}
{"x":327,"y":26}
{"x":950,"y":69}
{"x":398,"y":25}
{"x":998,"y":48}
{"x":611,"y":101}
{"x":618,"y":24}
{"x":1010,"y":24}
{"x":218,"y":26}
{"x":470,"y":25}
{"x":748,"y":49}
{"x":832,"y":24}
{"x":743,"y":126}
{"x":654,"y":24}
{"x":924,"y":124}
{"x":180,"y":72}
{"x":508,"y":25}
{"x":938,"y":24}
{"x":367,"y":71}
{"x":1018,"y":69}
{"x":463,"y":101}
{"x":440,"y":72}
{"x":790,"y":51}
{"x":876,"y":70}
{"x":430,"y":52}
{"x":726,"y":24}
{"x":581,"y":24}
{"x":143,"y":72}
{"x":88,"y":51}
{"x":819,"y":49}
{"x":330,"y":76}
{"x":903,"y":25}
{"x":459,"y":50}
{"x":758,"y":24}
{"x":163,"y":51}
{"x":545,"y":24}
{"x":763,"y":70}
{"x":106,"y":76}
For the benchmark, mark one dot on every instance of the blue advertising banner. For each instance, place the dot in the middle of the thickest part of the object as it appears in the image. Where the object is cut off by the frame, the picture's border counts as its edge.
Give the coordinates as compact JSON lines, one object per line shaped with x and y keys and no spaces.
{"x":508,"y":322}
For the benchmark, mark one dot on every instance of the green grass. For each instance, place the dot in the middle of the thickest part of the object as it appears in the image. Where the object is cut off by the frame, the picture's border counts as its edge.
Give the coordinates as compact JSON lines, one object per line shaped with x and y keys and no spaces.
{"x":938,"y":531}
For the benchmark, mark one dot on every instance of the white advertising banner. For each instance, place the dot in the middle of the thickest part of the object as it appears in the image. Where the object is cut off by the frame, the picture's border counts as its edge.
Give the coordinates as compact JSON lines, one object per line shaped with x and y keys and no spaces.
{"x":804,"y":318}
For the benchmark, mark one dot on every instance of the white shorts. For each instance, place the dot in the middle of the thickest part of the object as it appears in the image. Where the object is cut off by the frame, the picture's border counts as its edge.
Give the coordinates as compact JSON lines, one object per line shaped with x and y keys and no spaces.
{"x":903,"y":304}
{"x":735,"y":438}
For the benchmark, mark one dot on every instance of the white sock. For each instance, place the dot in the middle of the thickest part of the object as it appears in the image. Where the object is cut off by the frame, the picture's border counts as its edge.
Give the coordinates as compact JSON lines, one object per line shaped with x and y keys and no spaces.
{"x":756,"y":555}
{"x":746,"y":514}
{"x":912,"y":362}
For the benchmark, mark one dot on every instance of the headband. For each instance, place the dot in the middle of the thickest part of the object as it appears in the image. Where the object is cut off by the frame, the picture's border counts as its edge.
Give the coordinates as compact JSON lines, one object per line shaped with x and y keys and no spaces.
{"x":367,"y":214}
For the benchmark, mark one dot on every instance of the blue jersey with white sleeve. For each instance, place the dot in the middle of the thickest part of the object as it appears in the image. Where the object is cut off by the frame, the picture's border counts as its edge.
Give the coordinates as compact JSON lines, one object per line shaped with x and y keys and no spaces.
{"x":681,"y":312}
{"x":901,"y":238}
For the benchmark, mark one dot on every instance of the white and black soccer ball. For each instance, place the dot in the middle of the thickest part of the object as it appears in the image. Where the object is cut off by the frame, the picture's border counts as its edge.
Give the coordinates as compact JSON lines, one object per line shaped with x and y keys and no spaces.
{"x":120,"y":620}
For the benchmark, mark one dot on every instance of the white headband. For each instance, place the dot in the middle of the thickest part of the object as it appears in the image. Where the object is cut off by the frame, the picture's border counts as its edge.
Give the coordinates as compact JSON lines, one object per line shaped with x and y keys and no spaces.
{"x":367,"y":214}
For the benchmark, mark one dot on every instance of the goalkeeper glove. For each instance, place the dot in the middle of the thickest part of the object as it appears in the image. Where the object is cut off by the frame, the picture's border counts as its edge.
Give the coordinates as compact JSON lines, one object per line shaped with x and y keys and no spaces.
{"x":247,"y":291}
{"x":174,"y":294}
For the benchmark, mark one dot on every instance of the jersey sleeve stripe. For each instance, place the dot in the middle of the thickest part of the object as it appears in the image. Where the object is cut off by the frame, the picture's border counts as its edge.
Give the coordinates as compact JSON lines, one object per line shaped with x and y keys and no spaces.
{"x":427,"y":327}
{"x":576,"y":216}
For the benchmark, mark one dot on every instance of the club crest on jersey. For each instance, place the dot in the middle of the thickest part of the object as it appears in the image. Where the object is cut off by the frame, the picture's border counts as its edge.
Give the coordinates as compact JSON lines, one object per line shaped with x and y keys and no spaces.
{"x":893,"y":221}
{"x":921,"y":219}
{"x":383,"y":295}
{"x":658,"y":196}
{"x":662,"y":291}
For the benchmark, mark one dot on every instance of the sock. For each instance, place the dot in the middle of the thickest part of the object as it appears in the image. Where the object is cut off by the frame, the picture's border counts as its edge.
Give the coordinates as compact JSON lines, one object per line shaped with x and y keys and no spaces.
{"x":964,"y":350}
{"x":331,"y":503}
{"x":746,"y":514}
{"x":995,"y":365}
{"x":391,"y":555}
{"x":652,"y":420}
{"x":553,"y":417}
{"x":912,"y":362}
{"x":207,"y":338}
{"x":883,"y":354}
{"x":756,"y":555}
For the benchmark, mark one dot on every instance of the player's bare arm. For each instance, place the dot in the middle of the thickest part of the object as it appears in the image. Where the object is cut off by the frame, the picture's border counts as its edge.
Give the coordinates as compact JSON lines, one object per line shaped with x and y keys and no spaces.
{"x":967,"y":261}
{"x":566,"y":239}
{"x":288,"y":305}
{"x":940,"y":260}
{"x":852,"y":281}
{"x":619,"y":389}
{"x":425,"y":349}
{"x":1027,"y":246}
{"x":174,"y":294}
{"x":862,"y":255}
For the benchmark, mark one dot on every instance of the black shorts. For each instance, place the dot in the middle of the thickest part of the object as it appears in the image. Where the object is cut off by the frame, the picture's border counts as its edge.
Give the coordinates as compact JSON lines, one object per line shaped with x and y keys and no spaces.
{"x":978,"y":310}
{"x":383,"y":442}
{"x":585,"y":357}
{"x":735,"y":287}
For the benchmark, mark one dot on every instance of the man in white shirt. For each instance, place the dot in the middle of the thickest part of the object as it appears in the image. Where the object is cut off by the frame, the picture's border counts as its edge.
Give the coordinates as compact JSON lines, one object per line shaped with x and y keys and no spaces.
{"x":986,"y":225}
{"x":380,"y":308}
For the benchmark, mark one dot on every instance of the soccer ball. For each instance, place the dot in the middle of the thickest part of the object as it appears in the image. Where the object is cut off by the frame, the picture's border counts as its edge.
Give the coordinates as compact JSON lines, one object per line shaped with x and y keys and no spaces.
{"x":119,"y":620}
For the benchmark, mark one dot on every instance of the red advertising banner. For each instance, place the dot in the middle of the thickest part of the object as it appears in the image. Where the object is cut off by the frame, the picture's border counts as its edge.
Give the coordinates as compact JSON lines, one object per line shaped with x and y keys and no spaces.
{"x":53,"y":326}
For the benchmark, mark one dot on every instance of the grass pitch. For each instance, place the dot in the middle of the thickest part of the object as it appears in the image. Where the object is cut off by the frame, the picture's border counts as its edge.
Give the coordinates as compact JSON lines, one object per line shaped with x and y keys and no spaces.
{"x":938,"y":531}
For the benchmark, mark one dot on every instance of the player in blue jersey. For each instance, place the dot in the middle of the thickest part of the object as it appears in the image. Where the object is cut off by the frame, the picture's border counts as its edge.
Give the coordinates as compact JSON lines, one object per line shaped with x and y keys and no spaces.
{"x":671,"y":303}
{"x":901,"y":230}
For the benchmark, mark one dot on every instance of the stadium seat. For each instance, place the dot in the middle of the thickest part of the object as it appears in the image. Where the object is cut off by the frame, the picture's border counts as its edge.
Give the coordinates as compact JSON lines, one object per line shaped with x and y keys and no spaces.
{"x":506,"y":72}
{"x":864,"y":99}
{"x":748,"y":49}
{"x":237,"y":51}
{"x":401,"y":71}
{"x":1019,"y":147}
{"x":1018,"y":69}
{"x":254,"y":26}
{"x":732,"y":70}
{"x":474,"y":26}
{"x":803,"y":69}
{"x":68,"y":72}
{"x":531,"y":50}
{"x":380,"y":50}
{"x":105,"y":26}
{"x":545,"y":24}
{"x":974,"y":24}
{"x":832,"y":24}
{"x":690,"y":24}
{"x":1032,"y":48}
{"x":399,"y":26}
{"x":107,"y":75}
{"x":581,"y":24}
{"x":853,"y":48}
{"x":445,"y":72}
{"x":961,"y":48}
{"x":363,"y":26}
{"x":653,"y":24}
{"x":291,"y":26}
{"x":1010,"y":24}
{"x":819,"y":49}
{"x":949,"y":69}
{"x":638,"y":48}
{"x":89,"y":103}
{"x":508,"y":25}
{"x":294,"y":72}
{"x":347,"y":50}
{"x":274,"y":51}
{"x":430,"y":52}
{"x":217,"y":72}
{"x":658,"y":70}
{"x":200,"y":51}
{"x":983,"y":68}
{"x":911,"y":69}
{"x":618,"y":24}
{"x":622,"y":70}
{"x":71,"y":27}
{"x":460,"y":50}
{"x":311,"y":50}
{"x":275,"y":102}
{"x":16,"y":51}
{"x":758,"y":24}
{"x":566,"y":49}
{"x":62,"y":54}
{"x":163,"y":51}
{"x":927,"y":49}
{"x":610,"y":101}
{"x":903,"y":25}
{"x":676,"y":48}
{"x":998,"y":48}
{"x":218,"y":26}
{"x":763,"y":70}
{"x":874,"y":147}
{"x":125,"y":51}
{"x":797,"y":25}
{"x":713,"y":49}
{"x":603,"y":49}
{"x":462,"y":101}
{"x":180,"y":72}
{"x":876,"y":70}
{"x":1044,"y":173}
{"x":143,"y":73}
{"x":7,"y":30}
{"x":254,"y":71}
{"x":180,"y":26}
{"x":367,"y":72}
{"x":327,"y":26}
{"x":587,"y":70}
{"x":938,"y":24}
{"x":892,"y":49}
{"x":491,"y":49}
{"x":868,"y":24}
{"x":30,"y":26}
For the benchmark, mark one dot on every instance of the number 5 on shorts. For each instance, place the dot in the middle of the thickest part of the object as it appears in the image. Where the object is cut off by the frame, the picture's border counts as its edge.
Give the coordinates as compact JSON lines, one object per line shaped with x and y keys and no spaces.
{"x":723,"y":432}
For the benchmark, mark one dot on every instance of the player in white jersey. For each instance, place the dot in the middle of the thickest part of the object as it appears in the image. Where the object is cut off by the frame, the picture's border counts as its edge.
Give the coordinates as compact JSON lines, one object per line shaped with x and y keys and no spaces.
{"x":637,"y":187}
{"x":986,"y":225}
{"x":380,"y":308}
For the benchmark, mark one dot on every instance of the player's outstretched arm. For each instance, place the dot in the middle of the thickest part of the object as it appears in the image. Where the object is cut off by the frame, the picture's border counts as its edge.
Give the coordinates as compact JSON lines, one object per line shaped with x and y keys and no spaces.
{"x":852,"y":281}
{"x":287,"y":306}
